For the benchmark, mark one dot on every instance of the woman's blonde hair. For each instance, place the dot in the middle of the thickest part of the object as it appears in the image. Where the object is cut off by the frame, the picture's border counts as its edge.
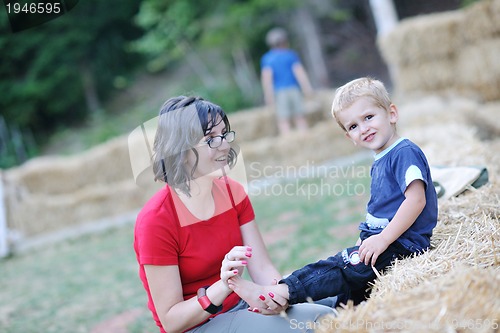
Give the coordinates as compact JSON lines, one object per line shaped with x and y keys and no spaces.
{"x":182,"y":123}
{"x":349,"y":93}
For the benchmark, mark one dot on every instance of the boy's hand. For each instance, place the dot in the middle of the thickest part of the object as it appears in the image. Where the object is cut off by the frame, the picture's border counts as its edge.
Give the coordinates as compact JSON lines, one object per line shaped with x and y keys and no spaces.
{"x":371,"y":248}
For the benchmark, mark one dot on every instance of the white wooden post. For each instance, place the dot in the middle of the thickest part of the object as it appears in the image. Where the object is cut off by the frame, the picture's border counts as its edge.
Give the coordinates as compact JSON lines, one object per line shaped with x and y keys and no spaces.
{"x":385,"y":15}
{"x":4,"y":248}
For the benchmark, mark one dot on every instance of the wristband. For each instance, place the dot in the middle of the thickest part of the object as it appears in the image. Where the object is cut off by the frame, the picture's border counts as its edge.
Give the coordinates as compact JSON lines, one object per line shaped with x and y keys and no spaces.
{"x":205,"y":302}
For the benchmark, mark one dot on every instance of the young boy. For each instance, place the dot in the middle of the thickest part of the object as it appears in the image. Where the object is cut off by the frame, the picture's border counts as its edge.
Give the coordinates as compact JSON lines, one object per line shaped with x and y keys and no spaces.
{"x":402,"y":210}
{"x":284,"y":80}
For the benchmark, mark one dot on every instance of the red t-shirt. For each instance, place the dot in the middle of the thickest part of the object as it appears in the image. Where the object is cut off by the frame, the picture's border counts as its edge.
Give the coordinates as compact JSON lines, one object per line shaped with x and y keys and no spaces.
{"x":166,"y":233}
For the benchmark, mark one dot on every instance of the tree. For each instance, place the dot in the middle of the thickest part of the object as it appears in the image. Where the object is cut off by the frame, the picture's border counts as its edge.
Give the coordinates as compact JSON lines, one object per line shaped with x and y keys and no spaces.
{"x":222,"y":36}
{"x":57,"y":73}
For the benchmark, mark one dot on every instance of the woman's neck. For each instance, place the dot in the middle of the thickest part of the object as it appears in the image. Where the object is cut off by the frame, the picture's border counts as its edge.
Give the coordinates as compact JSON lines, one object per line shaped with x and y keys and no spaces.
{"x":201,"y":202}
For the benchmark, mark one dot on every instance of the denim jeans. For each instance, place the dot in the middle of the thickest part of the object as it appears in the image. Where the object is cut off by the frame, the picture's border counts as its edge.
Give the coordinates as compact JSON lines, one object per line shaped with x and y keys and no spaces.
{"x":341,"y":275}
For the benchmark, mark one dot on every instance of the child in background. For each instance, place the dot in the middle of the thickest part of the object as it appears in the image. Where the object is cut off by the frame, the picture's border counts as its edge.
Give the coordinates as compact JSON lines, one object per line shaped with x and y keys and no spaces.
{"x":284,"y":80}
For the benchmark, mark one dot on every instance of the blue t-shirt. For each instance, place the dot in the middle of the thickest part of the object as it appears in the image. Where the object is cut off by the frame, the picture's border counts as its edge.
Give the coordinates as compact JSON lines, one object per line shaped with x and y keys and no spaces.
{"x":281,"y":61}
{"x":391,"y":173}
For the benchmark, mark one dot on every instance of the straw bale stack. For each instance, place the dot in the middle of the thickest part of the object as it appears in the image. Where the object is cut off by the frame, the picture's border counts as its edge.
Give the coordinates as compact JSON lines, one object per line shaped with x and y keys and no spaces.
{"x":63,"y":174}
{"x":452,"y":51}
{"x":450,"y":288}
{"x":428,"y":76}
{"x":50,"y":194}
{"x":325,"y":141}
{"x":484,"y":119}
{"x":423,"y":38}
{"x":254,"y":123}
{"x":478,"y":68}
{"x":260,"y":122}
{"x":481,"y":22}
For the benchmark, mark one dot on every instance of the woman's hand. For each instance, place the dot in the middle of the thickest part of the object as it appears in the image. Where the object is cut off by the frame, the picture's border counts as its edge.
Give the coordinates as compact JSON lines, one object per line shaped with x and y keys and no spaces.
{"x":266,"y":300}
{"x":235,"y":262}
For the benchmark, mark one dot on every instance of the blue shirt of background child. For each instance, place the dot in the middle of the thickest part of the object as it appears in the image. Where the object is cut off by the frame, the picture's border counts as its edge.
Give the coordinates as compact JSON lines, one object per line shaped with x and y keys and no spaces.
{"x":281,"y":62}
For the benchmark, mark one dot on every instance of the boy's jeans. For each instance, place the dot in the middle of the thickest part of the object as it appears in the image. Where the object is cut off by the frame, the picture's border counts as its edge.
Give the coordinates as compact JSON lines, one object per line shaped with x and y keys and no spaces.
{"x":342,"y":274}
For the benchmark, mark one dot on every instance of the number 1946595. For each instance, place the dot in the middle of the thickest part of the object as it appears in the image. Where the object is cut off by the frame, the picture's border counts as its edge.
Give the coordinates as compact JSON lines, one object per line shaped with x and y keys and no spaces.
{"x":34,"y":8}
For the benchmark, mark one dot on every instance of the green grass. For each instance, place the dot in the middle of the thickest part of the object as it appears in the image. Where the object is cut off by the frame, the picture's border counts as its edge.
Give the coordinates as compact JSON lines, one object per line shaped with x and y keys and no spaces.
{"x":74,"y":285}
{"x":312,"y":219}
{"x":71,"y":286}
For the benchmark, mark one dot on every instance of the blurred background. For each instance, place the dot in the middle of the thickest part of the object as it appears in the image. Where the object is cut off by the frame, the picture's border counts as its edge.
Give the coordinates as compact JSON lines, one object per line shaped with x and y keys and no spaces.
{"x":102,"y":68}
{"x":74,"y":88}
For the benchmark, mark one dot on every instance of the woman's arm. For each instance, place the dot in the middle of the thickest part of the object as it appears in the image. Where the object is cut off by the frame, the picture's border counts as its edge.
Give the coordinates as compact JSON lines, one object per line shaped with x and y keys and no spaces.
{"x":261,"y":269}
{"x":177,"y":315}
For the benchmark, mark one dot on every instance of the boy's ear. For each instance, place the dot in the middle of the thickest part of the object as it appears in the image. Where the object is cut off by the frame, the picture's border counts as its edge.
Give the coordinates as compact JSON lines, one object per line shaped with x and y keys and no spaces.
{"x":393,"y":114}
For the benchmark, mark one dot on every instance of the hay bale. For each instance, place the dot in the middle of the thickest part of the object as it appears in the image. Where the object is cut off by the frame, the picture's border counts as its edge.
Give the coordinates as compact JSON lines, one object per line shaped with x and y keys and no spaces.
{"x":481,"y":21}
{"x":429,"y":307}
{"x":478,"y":69}
{"x":253,"y":123}
{"x":452,"y":287}
{"x":481,"y":119}
{"x":422,"y":38}
{"x":103,"y":164}
{"x":260,"y":122}
{"x":326,"y":141}
{"x":432,"y":76}
{"x":454,"y":51}
{"x":43,"y":214}
{"x":50,"y":193}
{"x":420,"y":111}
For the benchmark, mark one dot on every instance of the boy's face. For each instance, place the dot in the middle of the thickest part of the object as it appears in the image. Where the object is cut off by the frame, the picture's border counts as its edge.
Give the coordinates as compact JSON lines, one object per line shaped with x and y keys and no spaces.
{"x":370,"y":126}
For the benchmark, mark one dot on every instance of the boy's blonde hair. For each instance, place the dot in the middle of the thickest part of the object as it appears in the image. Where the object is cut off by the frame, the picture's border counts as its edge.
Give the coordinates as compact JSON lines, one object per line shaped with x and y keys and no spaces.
{"x":352,"y":91}
{"x":276,"y":37}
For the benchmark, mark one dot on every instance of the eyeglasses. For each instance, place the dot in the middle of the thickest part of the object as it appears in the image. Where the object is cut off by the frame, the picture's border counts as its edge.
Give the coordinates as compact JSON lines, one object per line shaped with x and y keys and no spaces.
{"x":216,"y":141}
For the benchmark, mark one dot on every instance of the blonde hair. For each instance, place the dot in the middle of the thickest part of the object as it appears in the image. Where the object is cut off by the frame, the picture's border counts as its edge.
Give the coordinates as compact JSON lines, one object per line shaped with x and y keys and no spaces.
{"x":182,"y":123}
{"x":276,"y":37}
{"x":352,"y":91}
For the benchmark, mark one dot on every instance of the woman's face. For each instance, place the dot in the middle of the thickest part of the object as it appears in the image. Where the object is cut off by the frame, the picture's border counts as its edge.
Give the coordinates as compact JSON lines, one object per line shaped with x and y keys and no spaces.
{"x":211,"y":161}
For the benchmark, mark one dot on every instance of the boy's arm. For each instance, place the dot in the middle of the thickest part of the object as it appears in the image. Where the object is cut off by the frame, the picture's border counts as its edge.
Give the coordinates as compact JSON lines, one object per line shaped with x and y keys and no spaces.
{"x":267,"y":85}
{"x":302,"y":78}
{"x":406,"y":215}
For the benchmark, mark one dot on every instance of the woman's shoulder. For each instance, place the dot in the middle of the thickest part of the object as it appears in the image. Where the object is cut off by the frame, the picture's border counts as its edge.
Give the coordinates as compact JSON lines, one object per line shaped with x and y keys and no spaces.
{"x":157,"y":205}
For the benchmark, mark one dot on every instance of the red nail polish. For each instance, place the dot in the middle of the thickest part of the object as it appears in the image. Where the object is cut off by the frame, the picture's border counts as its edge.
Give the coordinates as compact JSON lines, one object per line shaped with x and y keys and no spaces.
{"x":248,"y":254}
{"x":255,"y":310}
{"x":249,"y":248}
{"x":235,"y":272}
{"x":271,"y":295}
{"x":262,"y":297}
{"x":244,"y":262}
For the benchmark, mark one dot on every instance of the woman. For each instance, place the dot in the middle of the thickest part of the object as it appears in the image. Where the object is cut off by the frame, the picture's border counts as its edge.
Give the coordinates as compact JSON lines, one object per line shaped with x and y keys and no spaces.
{"x":199,"y":231}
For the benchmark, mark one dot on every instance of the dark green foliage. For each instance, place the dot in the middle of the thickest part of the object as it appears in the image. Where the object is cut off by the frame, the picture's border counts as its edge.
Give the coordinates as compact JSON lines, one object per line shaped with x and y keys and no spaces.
{"x":41,"y":68}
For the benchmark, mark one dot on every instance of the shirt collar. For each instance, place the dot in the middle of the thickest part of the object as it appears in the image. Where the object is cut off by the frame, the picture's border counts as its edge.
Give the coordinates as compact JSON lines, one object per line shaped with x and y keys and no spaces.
{"x":388,"y":149}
